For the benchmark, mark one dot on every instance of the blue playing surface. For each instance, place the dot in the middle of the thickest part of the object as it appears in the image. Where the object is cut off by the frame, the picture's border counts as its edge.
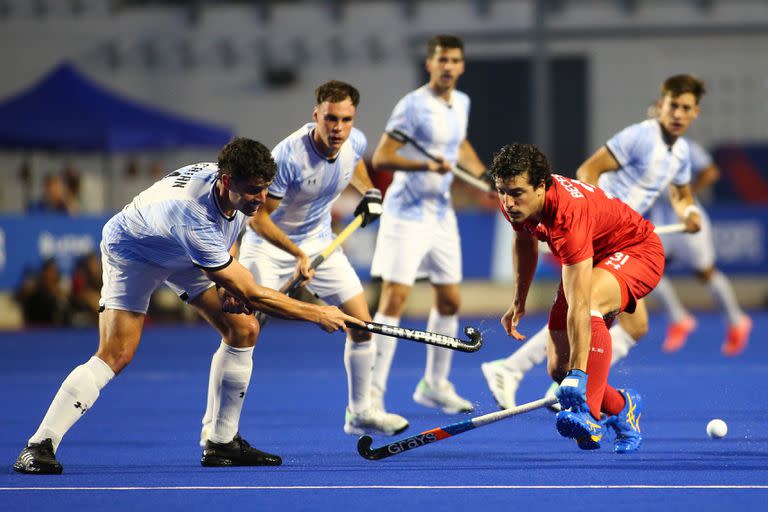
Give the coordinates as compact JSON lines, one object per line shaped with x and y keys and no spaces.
{"x":137,"y":448}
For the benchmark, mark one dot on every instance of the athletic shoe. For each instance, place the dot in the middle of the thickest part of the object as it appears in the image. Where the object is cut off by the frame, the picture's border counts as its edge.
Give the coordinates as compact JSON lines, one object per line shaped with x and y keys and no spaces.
{"x":236,"y":453}
{"x":38,"y":459}
{"x":581,"y":426}
{"x":502,"y":382}
{"x":627,"y":422}
{"x":555,"y":407}
{"x":444,"y":398}
{"x":738,"y":337}
{"x":374,"y":421}
{"x":677,"y":334}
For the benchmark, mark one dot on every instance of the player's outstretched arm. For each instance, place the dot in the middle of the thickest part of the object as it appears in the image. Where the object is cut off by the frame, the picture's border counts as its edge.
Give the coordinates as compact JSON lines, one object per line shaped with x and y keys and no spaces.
{"x":601,"y":161}
{"x":577,"y":284}
{"x":525,"y":256}
{"x":386,"y":156}
{"x":469,"y":160}
{"x":238,"y":281}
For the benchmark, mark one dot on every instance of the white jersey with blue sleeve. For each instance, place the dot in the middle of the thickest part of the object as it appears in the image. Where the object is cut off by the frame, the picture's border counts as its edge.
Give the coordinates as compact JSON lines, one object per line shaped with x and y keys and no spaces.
{"x":438,"y":126}
{"x":648,"y":165}
{"x":176,"y":224}
{"x":662,"y":212}
{"x":308,"y":183}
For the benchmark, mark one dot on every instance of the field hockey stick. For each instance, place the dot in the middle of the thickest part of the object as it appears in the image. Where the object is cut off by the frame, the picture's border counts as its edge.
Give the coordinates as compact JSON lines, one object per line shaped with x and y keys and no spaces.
{"x":460,"y":171}
{"x":440,"y":433}
{"x":290,"y":287}
{"x":430,"y":338}
{"x":669,"y":228}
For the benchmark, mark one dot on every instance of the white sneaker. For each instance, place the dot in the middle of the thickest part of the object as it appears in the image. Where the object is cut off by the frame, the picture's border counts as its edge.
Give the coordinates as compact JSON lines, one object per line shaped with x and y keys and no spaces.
{"x":556,"y":407}
{"x":444,"y":398}
{"x":374,"y":421}
{"x":502,"y":382}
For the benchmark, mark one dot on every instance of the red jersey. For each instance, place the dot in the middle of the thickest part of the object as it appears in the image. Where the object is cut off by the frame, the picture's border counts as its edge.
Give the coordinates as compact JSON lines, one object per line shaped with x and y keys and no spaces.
{"x":581,"y":221}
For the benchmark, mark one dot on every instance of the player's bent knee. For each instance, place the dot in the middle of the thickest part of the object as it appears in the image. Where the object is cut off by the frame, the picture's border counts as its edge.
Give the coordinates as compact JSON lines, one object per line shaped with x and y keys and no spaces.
{"x":117,"y":360}
{"x":359,"y":336}
{"x":243,"y":333}
{"x":705,"y":276}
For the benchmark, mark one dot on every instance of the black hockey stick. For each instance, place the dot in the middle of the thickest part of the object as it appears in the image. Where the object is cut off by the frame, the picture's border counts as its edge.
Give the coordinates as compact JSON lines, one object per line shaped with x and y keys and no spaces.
{"x":430,"y":338}
{"x":457,"y":169}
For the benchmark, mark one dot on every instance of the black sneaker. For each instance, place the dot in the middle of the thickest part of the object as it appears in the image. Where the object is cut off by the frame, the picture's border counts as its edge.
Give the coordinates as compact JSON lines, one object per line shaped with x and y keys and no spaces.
{"x":38,"y":459}
{"x":236,"y":453}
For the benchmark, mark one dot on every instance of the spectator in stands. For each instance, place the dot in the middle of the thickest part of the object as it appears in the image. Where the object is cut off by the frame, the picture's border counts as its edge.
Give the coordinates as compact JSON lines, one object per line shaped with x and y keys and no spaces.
{"x":86,"y":290}
{"x":42,"y":298}
{"x":71,"y":177}
{"x":55,"y":198}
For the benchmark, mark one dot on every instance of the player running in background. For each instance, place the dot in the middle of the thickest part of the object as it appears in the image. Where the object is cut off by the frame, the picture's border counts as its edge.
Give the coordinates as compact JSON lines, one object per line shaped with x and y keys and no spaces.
{"x":697,"y":250}
{"x":610,"y":258}
{"x":418,"y":233}
{"x":179,"y":231}
{"x":636,"y":165}
{"x":314,"y":165}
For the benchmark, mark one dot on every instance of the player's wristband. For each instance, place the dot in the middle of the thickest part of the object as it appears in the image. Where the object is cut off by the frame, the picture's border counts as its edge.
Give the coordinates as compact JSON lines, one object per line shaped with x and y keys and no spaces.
{"x":691,"y":208}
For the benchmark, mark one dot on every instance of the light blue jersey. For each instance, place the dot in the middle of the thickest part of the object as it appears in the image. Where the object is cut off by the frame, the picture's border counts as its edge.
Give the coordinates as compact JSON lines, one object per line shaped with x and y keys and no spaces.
{"x":648,"y":165}
{"x":308,"y":184}
{"x":176,"y":223}
{"x":440,"y":128}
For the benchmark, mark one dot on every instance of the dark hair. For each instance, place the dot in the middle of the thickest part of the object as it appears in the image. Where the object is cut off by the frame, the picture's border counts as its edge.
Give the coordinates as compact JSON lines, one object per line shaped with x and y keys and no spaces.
{"x":515,"y":159}
{"x":244,"y":159}
{"x":681,"y":84}
{"x":444,"y":41}
{"x":335,"y":91}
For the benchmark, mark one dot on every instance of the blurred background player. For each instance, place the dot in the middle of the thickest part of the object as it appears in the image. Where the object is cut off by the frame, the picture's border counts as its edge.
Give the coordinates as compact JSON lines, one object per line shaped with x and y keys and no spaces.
{"x":636,"y":165}
{"x":180,"y":231}
{"x":418,"y":233}
{"x":697,"y":250}
{"x":314,"y":165}
{"x":610,"y":259}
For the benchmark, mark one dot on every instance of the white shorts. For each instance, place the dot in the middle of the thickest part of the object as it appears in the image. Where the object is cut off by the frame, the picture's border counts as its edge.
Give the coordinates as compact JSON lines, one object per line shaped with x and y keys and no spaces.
{"x":128,"y":285}
{"x":407,"y":249}
{"x":335,"y":281}
{"x":696,"y":250}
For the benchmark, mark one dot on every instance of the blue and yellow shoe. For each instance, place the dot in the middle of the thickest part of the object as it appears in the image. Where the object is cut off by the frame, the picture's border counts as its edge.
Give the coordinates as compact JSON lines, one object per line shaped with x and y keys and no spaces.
{"x":581,"y":426}
{"x":627,"y":423}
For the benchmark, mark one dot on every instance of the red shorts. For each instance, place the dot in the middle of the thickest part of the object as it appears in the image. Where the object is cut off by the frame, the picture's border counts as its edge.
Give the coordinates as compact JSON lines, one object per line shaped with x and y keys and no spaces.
{"x":637,"y":268}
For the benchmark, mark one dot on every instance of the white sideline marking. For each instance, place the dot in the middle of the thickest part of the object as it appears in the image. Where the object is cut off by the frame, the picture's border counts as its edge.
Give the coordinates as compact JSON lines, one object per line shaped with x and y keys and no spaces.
{"x":372,"y":487}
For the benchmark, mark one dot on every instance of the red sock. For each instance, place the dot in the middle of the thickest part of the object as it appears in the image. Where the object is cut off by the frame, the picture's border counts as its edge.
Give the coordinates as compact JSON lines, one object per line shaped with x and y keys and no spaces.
{"x":613,"y":401}
{"x":598,"y":366}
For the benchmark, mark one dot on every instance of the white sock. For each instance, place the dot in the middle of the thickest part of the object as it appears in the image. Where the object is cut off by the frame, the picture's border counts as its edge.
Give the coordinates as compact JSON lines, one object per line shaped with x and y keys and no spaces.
{"x":231,"y":370}
{"x":76,"y":395}
{"x":532,"y":352}
{"x":669,"y":299}
{"x":439,"y":359}
{"x":385,"y":351}
{"x":722,"y":291}
{"x":621,"y":343}
{"x":212,"y":391}
{"x":358,"y":360}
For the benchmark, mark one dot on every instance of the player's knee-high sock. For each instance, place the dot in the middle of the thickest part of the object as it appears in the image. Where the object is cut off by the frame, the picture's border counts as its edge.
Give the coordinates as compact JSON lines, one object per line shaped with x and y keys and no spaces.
{"x":439,"y":359}
{"x":598,"y":364}
{"x":76,"y":395}
{"x":385,"y":351}
{"x":669,"y":299}
{"x":232,"y":369}
{"x":722,"y":291}
{"x":358,"y":360}
{"x":212,"y":392}
{"x":530,"y":353}
{"x":622,"y":343}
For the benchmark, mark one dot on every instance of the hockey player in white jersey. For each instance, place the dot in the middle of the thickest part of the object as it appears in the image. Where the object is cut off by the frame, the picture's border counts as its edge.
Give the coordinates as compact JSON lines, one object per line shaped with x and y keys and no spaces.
{"x":180,"y":231}
{"x":314,"y":165}
{"x":418,"y":234}
{"x":636,"y":165}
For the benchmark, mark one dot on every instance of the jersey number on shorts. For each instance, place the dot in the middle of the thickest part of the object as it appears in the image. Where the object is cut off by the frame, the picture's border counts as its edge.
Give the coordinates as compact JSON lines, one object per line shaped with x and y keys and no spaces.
{"x":617,"y":260}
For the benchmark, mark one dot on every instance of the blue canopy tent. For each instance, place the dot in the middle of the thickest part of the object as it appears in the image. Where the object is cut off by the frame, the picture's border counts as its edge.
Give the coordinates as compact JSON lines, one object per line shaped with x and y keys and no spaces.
{"x":65,"y":111}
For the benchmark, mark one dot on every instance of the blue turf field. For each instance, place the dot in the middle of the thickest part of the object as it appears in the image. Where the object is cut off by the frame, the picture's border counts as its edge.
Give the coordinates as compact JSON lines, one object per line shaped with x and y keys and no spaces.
{"x":137,"y":448}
